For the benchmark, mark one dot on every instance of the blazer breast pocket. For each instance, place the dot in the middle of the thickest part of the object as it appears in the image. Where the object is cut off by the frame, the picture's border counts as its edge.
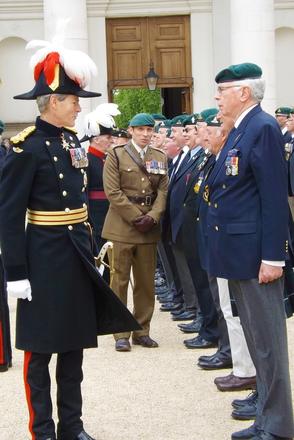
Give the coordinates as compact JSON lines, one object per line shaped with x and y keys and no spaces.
{"x":241,"y":228}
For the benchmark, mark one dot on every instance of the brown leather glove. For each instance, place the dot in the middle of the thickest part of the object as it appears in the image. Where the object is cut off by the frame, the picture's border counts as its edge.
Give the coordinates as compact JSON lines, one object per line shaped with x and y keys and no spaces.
{"x":144,"y":223}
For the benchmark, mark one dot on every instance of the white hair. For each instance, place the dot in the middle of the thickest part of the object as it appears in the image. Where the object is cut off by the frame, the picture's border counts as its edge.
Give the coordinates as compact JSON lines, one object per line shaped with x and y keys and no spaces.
{"x":43,"y":101}
{"x":257,"y":87}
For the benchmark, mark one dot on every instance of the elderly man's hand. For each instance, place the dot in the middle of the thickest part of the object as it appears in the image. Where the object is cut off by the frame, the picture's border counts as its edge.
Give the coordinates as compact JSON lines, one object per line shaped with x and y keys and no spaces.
{"x":144,"y":223}
{"x":268,"y":273}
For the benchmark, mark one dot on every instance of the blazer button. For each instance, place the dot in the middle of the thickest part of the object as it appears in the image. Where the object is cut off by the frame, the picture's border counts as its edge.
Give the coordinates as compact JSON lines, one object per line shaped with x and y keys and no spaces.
{"x":197,"y":219}
{"x":64,"y":193}
{"x":83,"y":189}
{"x":216,"y":228}
{"x":55,"y":158}
{"x":60,"y":176}
{"x":47,"y":143}
{"x":82,"y":170}
{"x":70,"y":227}
{"x":224,"y":186}
{"x":215,"y":205}
{"x":209,"y":203}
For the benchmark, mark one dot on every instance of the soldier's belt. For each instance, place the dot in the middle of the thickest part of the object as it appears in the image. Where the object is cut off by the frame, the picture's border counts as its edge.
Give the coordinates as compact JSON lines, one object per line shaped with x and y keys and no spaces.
{"x":55,"y":218}
{"x":146,"y":200}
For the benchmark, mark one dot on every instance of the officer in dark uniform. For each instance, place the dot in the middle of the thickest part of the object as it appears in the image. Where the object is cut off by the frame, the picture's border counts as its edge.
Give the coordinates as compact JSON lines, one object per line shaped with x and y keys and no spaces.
{"x":98,"y":131}
{"x":5,"y":339}
{"x":63,"y":303}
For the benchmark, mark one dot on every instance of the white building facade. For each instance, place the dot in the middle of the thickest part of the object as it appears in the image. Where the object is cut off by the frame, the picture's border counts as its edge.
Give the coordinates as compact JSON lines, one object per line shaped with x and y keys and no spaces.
{"x":223,"y":32}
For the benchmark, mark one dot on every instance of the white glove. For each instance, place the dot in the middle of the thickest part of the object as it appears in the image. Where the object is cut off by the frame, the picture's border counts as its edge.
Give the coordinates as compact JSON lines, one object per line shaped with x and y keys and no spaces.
{"x":19,"y":289}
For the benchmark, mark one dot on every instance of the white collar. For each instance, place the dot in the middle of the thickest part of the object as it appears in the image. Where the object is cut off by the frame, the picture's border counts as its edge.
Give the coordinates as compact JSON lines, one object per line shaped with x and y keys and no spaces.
{"x":242,"y":116}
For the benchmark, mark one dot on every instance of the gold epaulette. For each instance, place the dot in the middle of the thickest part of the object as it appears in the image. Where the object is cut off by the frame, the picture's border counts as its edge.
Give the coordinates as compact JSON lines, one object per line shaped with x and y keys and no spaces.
{"x":20,"y":137}
{"x":72,"y":129}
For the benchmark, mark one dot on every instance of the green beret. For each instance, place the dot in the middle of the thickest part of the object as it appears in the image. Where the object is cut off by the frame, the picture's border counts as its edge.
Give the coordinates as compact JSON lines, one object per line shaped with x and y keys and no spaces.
{"x":165,"y":124}
{"x":209,"y":112}
{"x":142,"y":119}
{"x":177,"y":121}
{"x":212,"y":121}
{"x":158,"y":117}
{"x":237,"y":72}
{"x":283,"y":111}
{"x":190,"y":120}
{"x":2,"y":125}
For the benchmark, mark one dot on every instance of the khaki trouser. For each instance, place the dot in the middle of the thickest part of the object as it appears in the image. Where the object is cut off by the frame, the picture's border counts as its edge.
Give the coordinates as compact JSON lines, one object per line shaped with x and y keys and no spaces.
{"x":142,"y":259}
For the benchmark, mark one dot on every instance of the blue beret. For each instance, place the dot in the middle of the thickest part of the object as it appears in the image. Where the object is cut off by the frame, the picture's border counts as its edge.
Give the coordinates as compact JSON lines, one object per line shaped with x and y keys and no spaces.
{"x":142,"y":119}
{"x":237,"y":72}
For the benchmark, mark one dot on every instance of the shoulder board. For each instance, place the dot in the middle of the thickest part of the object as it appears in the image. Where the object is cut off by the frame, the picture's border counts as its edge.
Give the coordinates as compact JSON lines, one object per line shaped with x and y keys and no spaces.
{"x":20,"y":137}
{"x":159,"y":150}
{"x":71,"y":129}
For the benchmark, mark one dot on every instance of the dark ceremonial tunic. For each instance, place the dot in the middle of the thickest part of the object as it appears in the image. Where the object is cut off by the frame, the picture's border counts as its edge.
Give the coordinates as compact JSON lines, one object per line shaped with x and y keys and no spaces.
{"x":98,"y":203}
{"x":71,"y":303}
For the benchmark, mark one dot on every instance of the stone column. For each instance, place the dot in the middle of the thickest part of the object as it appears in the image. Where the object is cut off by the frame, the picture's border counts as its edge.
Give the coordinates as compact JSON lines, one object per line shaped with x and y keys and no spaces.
{"x":253,"y":40}
{"x":76,"y":32}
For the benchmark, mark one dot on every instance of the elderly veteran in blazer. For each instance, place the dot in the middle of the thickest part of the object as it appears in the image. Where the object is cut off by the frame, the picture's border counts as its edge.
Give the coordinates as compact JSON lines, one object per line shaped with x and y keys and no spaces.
{"x":247,"y":220}
{"x":63,"y":303}
{"x":135,"y":181}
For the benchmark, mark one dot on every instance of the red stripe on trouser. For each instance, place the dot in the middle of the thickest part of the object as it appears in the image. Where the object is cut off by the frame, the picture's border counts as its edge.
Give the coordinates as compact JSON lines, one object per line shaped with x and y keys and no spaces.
{"x":27,"y":358}
{"x":1,"y":344}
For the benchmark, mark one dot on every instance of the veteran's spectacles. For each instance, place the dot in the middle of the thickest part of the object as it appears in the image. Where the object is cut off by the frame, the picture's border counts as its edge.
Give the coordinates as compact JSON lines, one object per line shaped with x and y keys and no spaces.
{"x":220,"y":89}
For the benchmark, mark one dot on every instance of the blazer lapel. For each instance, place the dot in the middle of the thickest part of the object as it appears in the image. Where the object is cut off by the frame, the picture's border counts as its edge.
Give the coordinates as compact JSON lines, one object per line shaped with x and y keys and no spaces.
{"x":185,"y":167}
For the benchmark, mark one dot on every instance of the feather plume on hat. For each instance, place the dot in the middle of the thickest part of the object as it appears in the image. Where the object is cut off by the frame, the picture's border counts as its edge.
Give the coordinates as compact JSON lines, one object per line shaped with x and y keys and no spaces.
{"x":101,"y":116}
{"x":55,"y":67}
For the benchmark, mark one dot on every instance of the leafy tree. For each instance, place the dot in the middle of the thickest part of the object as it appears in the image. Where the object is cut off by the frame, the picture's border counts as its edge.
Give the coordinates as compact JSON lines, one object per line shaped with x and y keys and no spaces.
{"x":133,"y":101}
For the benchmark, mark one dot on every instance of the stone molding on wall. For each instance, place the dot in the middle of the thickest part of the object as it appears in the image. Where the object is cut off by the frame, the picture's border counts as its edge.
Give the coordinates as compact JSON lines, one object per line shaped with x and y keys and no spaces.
{"x":33,"y":9}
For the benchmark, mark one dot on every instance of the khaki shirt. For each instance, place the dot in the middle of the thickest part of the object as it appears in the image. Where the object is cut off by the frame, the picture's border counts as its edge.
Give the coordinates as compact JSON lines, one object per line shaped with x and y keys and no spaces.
{"x":122,"y":177}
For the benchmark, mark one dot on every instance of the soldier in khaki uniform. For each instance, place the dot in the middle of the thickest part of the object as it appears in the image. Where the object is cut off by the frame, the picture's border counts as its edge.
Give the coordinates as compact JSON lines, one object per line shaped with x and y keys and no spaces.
{"x":135,"y":182}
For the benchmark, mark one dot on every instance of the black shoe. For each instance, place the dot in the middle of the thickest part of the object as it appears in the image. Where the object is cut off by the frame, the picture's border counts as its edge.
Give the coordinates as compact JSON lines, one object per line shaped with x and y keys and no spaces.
{"x":250,"y":399}
{"x":247,"y":412}
{"x":262,"y":435}
{"x":185,"y":316}
{"x":215,"y":363}
{"x":163,"y":299}
{"x":122,"y":344}
{"x":192,"y":327}
{"x":84,"y":436}
{"x":199,"y":342}
{"x":208,"y":358}
{"x":245,"y":434}
{"x":169,"y":307}
{"x":178,"y":311}
{"x":3,"y":368}
{"x":162,"y":290}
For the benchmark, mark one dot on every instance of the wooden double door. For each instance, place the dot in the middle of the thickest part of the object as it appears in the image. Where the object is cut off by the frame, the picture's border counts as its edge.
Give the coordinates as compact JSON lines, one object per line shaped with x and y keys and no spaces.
{"x":134,"y":44}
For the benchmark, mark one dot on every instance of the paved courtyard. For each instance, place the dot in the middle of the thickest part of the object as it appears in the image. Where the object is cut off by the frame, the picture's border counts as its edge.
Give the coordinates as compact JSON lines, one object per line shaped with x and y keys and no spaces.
{"x":147,"y":394}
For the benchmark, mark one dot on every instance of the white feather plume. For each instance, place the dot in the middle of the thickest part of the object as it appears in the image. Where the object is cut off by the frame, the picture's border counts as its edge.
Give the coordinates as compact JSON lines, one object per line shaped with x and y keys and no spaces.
{"x":77,"y":64}
{"x":102,"y":115}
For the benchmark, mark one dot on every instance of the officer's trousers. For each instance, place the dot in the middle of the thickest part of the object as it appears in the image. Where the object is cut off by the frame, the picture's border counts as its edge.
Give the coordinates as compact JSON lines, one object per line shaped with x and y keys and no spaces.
{"x":142,"y":259}
{"x":5,"y":340}
{"x":37,"y":380}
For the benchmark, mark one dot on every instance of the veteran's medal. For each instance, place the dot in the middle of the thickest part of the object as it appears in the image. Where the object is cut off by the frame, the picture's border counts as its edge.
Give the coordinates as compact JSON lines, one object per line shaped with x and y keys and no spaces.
{"x":205,"y":194}
{"x":79,"y":157}
{"x":288,"y":150}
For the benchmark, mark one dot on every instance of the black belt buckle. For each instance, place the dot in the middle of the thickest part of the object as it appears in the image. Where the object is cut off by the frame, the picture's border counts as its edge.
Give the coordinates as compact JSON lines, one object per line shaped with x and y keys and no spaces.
{"x":148,"y":200}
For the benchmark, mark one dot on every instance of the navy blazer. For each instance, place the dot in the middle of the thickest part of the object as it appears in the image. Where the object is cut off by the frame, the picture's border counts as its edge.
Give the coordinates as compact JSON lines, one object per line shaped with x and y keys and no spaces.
{"x":177,"y":193}
{"x":247,"y":213}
